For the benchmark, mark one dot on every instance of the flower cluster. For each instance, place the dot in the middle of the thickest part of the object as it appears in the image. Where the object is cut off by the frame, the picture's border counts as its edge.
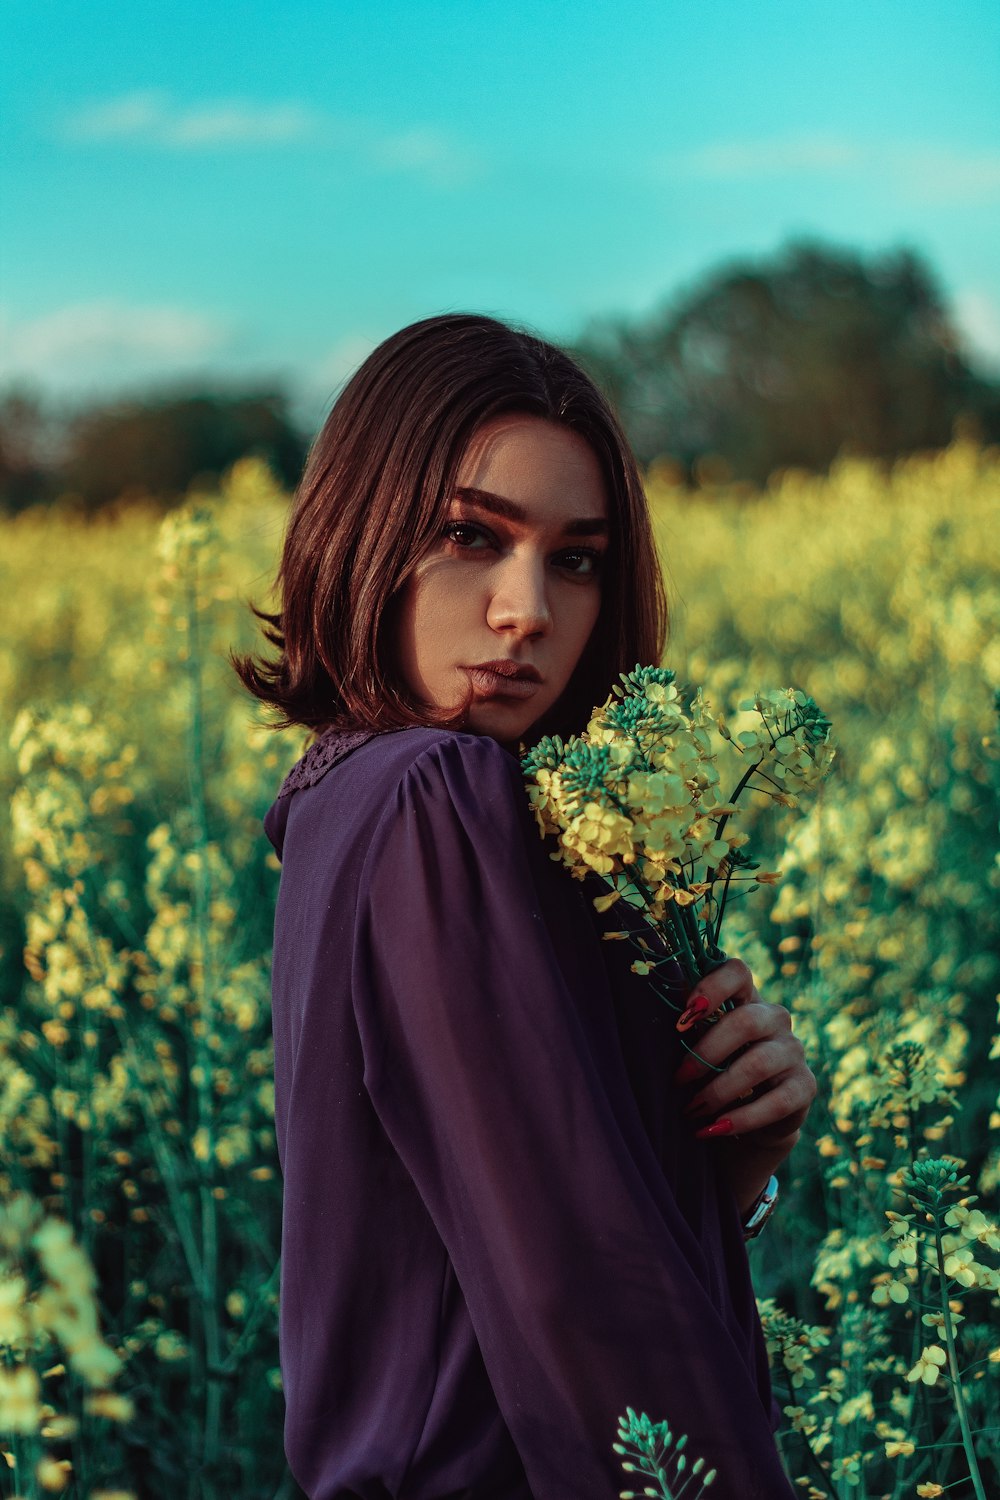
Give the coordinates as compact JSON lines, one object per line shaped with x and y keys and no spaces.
{"x":48,"y":1309}
{"x":657,"y":1453}
{"x":637,"y":800}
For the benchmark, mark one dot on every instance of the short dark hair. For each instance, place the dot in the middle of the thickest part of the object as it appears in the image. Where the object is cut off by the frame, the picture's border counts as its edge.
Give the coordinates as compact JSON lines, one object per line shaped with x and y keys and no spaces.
{"x":373,"y":499}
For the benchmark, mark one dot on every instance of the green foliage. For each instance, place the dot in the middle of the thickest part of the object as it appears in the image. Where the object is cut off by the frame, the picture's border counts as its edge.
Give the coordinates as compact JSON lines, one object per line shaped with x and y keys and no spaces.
{"x":136,"y":1072}
{"x":656,"y":1453}
{"x":154,"y":448}
{"x":883,"y":597}
{"x":790,"y":360}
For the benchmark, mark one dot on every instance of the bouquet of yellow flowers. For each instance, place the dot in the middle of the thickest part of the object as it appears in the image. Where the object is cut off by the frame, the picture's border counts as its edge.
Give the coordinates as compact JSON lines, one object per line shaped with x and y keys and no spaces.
{"x":637,"y":799}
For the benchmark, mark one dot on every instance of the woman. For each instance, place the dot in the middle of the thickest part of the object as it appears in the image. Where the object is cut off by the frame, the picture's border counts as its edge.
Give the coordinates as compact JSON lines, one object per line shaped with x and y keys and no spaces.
{"x":500,"y":1229}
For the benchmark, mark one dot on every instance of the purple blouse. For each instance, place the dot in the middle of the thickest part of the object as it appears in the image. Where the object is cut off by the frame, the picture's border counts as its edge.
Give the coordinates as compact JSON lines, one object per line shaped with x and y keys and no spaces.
{"x":498,"y":1231}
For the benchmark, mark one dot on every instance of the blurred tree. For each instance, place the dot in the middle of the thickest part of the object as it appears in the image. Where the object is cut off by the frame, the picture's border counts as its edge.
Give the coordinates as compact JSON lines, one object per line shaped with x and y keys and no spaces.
{"x":788,"y":361}
{"x":159,"y":447}
{"x":27,"y":458}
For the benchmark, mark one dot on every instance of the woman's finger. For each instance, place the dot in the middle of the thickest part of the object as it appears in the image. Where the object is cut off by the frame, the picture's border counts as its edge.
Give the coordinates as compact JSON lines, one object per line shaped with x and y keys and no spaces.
{"x":735,"y":1031}
{"x":784,"y":1106}
{"x":785,"y":1097}
{"x":758,"y":1068}
{"x":732,"y":980}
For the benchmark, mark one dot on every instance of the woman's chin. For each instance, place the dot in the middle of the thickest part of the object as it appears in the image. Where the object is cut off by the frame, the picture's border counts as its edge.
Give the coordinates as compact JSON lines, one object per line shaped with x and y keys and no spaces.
{"x":506,"y":723}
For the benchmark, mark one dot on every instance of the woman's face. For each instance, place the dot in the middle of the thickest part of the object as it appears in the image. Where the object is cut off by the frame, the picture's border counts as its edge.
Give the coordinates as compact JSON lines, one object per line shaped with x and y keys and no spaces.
{"x":514,"y":577}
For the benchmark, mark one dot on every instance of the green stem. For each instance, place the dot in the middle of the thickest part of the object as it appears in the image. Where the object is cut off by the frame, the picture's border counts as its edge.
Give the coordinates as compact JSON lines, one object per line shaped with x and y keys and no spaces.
{"x":678,"y":932}
{"x":909,"y":1479}
{"x":254,"y":1317}
{"x":166,"y":1159}
{"x":689,"y":922}
{"x":734,"y":797}
{"x":822,"y":1474}
{"x":956,"y":1382}
{"x":209,"y":1285}
{"x":722,"y":907}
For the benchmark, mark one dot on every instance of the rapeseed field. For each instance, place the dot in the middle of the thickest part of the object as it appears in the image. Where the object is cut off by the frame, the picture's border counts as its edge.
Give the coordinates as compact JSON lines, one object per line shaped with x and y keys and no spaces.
{"x":139,"y":1184}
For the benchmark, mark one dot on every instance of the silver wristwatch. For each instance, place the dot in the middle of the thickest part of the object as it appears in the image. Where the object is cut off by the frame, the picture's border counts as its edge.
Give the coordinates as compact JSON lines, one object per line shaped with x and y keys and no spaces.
{"x":762,"y":1210}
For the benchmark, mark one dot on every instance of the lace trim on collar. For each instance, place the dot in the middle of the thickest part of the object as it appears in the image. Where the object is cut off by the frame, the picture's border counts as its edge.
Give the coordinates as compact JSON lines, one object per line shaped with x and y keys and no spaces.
{"x":332,"y":745}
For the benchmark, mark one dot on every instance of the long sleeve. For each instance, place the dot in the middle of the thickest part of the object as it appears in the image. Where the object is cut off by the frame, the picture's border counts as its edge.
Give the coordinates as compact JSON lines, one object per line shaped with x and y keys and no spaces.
{"x":491,"y":1060}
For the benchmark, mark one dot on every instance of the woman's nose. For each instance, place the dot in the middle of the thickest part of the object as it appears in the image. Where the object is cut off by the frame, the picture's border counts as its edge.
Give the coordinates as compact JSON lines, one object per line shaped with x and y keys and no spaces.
{"x":520,"y":598}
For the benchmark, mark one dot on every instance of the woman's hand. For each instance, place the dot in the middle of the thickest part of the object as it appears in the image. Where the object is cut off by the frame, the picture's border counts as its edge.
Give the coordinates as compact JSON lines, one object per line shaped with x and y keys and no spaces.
{"x":762,"y":1097}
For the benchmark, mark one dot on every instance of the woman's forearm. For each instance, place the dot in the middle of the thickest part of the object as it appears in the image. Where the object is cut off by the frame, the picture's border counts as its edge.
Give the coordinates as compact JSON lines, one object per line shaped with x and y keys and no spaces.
{"x":747,"y":1168}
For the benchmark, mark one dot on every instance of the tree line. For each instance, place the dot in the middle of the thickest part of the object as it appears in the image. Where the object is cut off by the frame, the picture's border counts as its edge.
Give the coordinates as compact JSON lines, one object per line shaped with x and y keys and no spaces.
{"x":783,"y":361}
{"x":789,"y":361}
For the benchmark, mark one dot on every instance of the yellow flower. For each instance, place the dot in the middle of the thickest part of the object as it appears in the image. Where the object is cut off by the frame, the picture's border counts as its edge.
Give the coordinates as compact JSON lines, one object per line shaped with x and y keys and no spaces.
{"x":929,"y":1491}
{"x":799,"y":1419}
{"x":961,"y":1266}
{"x":62,"y":1428}
{"x":111,"y":1405}
{"x":888,"y":1289}
{"x":170,"y":1346}
{"x":903,"y":1253}
{"x":974,"y":1225}
{"x":899,"y":1448}
{"x":12,"y":1325}
{"x":928,"y":1366}
{"x":53,"y":1473}
{"x":20,"y":1390}
{"x":236,"y":1304}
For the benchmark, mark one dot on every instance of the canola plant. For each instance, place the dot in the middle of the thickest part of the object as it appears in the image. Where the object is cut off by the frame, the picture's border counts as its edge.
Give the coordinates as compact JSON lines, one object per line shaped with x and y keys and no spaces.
{"x":139,"y":1185}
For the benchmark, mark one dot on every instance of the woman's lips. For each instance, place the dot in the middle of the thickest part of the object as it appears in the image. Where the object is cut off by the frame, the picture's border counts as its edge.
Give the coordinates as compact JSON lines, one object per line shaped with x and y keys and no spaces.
{"x":493,"y":685}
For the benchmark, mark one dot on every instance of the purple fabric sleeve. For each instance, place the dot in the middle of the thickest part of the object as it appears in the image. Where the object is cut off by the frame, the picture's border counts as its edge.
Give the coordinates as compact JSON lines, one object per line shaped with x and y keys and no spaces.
{"x":491,"y":1060}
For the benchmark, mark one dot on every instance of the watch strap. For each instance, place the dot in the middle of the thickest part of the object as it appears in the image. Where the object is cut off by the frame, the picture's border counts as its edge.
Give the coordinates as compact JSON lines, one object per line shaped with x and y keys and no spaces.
{"x":761,"y":1210}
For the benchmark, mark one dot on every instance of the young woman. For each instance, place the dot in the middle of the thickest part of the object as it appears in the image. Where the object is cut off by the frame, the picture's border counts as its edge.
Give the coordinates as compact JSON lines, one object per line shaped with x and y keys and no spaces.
{"x":501,"y":1224}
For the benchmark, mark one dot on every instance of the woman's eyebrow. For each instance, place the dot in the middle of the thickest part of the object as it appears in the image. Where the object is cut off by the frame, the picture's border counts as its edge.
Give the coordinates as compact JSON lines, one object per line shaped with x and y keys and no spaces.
{"x":498,"y":505}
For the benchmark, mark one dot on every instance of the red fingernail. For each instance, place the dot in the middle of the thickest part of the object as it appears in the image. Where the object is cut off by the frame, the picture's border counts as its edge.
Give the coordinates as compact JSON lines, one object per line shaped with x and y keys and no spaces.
{"x":696,"y":1006}
{"x":689,"y":1070}
{"x":720,"y":1127}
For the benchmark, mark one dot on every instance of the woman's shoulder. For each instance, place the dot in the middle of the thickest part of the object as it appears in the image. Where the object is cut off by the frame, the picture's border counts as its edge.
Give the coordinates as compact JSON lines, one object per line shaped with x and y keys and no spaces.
{"x":359,"y":777}
{"x":349,"y":787}
{"x":388,"y":755}
{"x":470,"y":776}
{"x":439,"y":776}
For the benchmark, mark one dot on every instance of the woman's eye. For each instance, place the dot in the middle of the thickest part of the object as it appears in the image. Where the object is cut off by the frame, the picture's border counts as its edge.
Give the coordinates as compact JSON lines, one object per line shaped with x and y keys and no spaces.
{"x":467,"y":526}
{"x":588,"y":561}
{"x":581,"y":562}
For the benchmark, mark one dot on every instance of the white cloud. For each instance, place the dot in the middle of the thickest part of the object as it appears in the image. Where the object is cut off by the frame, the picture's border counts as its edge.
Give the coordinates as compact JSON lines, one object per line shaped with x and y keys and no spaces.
{"x":238,"y":124}
{"x":150,"y":117}
{"x":138,"y":114}
{"x":766,"y":158}
{"x":977,"y":314}
{"x":922,"y":172}
{"x":92,"y":343}
{"x":428,"y":153}
{"x":939,"y":174}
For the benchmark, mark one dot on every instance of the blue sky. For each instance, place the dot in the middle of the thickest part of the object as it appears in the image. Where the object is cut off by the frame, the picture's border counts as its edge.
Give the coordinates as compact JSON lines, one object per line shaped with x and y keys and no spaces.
{"x":265,"y":190}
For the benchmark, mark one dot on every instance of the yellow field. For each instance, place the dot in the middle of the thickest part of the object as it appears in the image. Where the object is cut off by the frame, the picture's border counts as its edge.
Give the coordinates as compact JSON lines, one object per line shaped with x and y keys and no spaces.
{"x":136,"y":898}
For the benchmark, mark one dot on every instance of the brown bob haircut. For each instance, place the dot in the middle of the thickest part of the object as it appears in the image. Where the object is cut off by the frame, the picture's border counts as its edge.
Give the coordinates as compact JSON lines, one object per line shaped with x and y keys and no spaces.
{"x":373,"y":500}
